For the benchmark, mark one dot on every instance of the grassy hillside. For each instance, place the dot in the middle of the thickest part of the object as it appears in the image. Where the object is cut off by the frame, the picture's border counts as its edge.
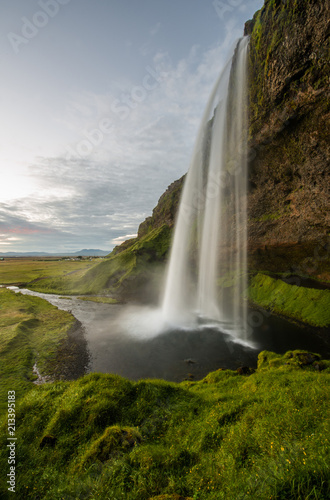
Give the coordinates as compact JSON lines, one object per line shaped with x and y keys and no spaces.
{"x":127,"y":272}
{"x":228,"y":436}
{"x":31,"y":330}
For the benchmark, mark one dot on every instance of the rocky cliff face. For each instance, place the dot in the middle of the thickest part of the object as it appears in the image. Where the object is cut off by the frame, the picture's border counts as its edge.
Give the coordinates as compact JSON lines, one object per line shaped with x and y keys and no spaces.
{"x":166,"y":209}
{"x":289,"y":174}
{"x":289,"y":162}
{"x":289,"y":168}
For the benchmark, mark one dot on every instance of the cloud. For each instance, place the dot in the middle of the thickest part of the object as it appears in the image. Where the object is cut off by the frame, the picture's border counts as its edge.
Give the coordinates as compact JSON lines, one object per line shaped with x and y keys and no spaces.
{"x":98,"y":199}
{"x":121,"y":239}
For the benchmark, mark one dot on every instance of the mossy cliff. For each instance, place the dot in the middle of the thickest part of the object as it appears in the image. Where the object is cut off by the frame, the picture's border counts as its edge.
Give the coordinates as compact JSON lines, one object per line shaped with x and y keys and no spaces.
{"x":165,"y":211}
{"x":307,"y":305}
{"x":289,"y":172}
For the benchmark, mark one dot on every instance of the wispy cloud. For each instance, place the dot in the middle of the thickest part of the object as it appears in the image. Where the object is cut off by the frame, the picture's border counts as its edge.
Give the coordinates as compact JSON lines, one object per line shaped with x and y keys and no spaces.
{"x":99,"y":198}
{"x":121,"y":239}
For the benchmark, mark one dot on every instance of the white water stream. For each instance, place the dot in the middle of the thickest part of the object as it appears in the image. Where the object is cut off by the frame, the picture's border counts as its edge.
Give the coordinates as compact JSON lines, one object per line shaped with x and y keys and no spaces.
{"x":206,"y":276}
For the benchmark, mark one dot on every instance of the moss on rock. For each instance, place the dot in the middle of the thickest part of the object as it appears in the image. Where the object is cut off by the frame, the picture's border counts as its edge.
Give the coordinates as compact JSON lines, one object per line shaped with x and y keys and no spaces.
{"x":308,"y":305}
{"x":268,"y":360}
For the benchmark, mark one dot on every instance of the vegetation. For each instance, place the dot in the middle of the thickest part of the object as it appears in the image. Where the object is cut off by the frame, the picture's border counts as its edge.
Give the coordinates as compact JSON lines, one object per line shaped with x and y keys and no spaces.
{"x":228,"y":436}
{"x":30,"y":331}
{"x":103,"y":300}
{"x":135,"y":264}
{"x":25,"y":270}
{"x":234,"y":435}
{"x":271,"y":36}
{"x":304,"y":304}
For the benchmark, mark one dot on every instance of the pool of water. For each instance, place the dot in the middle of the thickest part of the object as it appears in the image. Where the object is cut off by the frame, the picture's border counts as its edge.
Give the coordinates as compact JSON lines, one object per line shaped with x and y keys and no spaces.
{"x":125,"y":340}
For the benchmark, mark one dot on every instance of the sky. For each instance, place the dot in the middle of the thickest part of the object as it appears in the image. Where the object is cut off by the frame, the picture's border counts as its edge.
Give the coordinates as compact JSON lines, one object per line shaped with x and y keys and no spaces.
{"x":100,"y":104}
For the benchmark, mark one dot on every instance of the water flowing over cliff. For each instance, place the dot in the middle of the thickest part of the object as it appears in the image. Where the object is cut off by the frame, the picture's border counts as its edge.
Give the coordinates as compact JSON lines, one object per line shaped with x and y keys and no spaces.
{"x":288,"y":201}
{"x":210,"y":239}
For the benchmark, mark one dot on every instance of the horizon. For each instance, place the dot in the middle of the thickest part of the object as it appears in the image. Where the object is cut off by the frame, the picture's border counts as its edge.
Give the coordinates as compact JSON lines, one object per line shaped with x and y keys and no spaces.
{"x":101,"y":105}
{"x":41,"y":253}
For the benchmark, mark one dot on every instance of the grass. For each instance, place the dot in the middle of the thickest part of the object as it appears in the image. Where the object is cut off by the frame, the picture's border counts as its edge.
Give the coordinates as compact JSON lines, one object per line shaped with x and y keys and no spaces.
{"x":304,"y":304}
{"x":228,"y":436}
{"x":24,"y":270}
{"x":120,"y":273}
{"x":102,"y":300}
{"x":30,"y":331}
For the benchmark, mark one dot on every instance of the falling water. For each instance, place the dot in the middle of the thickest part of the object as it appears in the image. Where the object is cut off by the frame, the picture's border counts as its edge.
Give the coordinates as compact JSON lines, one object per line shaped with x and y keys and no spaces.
{"x":206,"y":276}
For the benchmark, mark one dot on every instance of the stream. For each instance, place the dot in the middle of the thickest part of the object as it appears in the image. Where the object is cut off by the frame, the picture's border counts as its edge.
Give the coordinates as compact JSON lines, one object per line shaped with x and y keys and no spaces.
{"x":122,"y":339}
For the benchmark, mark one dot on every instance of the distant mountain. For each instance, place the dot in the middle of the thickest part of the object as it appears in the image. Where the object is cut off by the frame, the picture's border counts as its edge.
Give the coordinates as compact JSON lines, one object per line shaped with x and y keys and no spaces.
{"x":91,"y":252}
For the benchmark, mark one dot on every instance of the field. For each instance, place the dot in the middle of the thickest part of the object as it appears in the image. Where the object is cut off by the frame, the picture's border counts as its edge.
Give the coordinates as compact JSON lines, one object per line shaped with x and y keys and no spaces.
{"x":24,"y":270}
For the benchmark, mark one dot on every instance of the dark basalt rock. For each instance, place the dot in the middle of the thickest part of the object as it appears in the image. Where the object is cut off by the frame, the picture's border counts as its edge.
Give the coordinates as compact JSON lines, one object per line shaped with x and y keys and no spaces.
{"x":289,"y":171}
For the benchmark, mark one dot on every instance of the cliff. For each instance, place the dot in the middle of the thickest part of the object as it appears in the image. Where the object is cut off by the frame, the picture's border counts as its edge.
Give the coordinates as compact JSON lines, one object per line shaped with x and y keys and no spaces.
{"x":289,"y":174}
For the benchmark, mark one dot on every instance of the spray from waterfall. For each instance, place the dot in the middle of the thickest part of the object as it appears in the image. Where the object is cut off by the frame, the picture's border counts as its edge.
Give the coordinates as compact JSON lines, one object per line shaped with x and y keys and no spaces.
{"x":207,"y":271}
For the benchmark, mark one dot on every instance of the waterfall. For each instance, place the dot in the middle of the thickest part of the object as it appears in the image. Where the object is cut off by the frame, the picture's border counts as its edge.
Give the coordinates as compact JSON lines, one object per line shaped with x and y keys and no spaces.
{"x":206,"y":275}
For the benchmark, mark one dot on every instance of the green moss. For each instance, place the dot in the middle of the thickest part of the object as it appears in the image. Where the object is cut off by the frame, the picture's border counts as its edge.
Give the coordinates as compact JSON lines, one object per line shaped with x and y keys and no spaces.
{"x":308,"y":305}
{"x":114,"y":440}
{"x":156,"y":242}
{"x":264,"y":435}
{"x":292,"y":359}
{"x":274,"y":26}
{"x":266,"y":217}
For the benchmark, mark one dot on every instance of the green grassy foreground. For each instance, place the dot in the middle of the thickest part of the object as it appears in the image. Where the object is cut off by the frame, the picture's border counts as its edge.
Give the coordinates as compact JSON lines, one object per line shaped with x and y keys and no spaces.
{"x":228,"y":436}
{"x":31,"y":329}
{"x":303,"y":304}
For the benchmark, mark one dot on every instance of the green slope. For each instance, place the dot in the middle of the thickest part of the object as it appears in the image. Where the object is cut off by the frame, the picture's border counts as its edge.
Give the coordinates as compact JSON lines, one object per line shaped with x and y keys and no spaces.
{"x":308,"y":305}
{"x":122,"y":274}
{"x":228,"y":436}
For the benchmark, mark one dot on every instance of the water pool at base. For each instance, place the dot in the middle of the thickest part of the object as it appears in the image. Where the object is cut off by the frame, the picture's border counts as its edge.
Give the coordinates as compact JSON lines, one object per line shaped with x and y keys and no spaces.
{"x":120,"y":342}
